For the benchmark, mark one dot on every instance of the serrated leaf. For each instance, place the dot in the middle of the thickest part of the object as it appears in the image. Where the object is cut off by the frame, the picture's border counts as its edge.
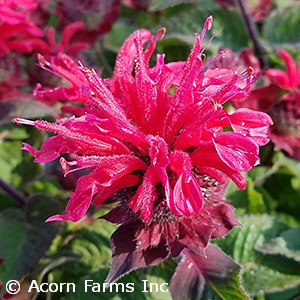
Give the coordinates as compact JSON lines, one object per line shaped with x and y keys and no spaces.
{"x":228,"y":24}
{"x":231,"y":29}
{"x":288,"y":245}
{"x":240,"y":243}
{"x":283,"y":161}
{"x":217,"y":270}
{"x":261,"y":273}
{"x":260,"y":278}
{"x":10,"y":157}
{"x":25,"y":237}
{"x":282,"y":187}
{"x":253,"y":200}
{"x":256,"y":199}
{"x":283,"y":26}
{"x":89,"y":240}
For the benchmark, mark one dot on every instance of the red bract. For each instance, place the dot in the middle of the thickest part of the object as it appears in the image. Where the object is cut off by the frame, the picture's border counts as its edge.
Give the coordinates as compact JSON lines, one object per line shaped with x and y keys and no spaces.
{"x":153,"y":140}
{"x":281,"y":99}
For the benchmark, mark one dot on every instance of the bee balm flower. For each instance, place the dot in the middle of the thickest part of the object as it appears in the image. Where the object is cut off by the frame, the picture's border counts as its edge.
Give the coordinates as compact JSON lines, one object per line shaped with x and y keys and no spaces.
{"x":153,"y":139}
{"x":281,"y":99}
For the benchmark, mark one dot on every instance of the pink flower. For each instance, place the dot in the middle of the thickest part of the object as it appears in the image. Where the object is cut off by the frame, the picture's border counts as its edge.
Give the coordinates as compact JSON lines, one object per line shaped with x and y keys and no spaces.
{"x":17,"y":31}
{"x":51,"y":47}
{"x":153,"y":140}
{"x":62,"y":53}
{"x":65,"y":67}
{"x":238,"y":61}
{"x":281,"y":99}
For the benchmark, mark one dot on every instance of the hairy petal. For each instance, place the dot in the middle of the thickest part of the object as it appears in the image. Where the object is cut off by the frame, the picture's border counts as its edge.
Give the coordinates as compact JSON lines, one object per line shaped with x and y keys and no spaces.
{"x":236,"y":151}
{"x":252,"y":124}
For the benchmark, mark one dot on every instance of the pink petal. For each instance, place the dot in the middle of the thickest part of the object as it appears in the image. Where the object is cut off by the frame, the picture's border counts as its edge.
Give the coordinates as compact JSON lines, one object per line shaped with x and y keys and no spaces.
{"x":80,"y":200}
{"x":279,"y":77}
{"x":208,"y":158}
{"x":145,"y":196}
{"x":236,"y":151}
{"x":291,"y":68}
{"x":253,"y":124}
{"x":187,"y":196}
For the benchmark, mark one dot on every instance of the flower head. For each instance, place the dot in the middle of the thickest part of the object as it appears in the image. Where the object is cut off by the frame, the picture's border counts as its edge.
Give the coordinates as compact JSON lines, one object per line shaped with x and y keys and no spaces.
{"x":17,"y":30}
{"x":154,"y":141}
{"x":281,"y":99}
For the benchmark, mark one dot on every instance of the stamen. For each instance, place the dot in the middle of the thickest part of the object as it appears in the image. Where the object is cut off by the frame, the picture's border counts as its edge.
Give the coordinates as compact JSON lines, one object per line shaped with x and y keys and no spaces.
{"x":20,"y":121}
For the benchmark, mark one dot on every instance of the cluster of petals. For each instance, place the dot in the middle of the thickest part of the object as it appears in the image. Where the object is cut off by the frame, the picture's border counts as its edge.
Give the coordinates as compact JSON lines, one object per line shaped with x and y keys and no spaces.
{"x":17,"y":31}
{"x":280,"y":98}
{"x":19,"y":37}
{"x":156,"y":140}
{"x":137,"y":124}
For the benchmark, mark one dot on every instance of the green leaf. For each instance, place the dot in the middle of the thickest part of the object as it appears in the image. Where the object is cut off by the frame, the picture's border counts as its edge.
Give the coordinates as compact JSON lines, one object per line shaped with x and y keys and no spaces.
{"x":256,"y":199}
{"x":282,"y":187}
{"x":227,"y":23}
{"x":231,"y":29}
{"x":29,"y":108}
{"x":261,"y":273}
{"x":283,"y":26}
{"x":287,"y":245}
{"x":283,"y":3}
{"x":88,"y":241}
{"x":25,"y":237}
{"x":120,"y":31}
{"x":11,"y":131}
{"x":92,"y":287}
{"x":253,"y":200}
{"x":136,"y":285}
{"x":290,"y":164}
{"x":159,"y":5}
{"x":15,"y":163}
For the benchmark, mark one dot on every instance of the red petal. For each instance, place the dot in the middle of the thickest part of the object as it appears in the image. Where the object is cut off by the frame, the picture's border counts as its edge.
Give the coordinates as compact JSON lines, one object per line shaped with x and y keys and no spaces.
{"x":237,"y":151}
{"x":80,"y":200}
{"x":253,"y":124}
{"x":187,"y":196}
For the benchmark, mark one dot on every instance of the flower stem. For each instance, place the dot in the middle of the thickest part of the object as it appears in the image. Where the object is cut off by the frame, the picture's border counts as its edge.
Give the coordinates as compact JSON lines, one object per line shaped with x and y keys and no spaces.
{"x":13,"y":193}
{"x":252,"y":31}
